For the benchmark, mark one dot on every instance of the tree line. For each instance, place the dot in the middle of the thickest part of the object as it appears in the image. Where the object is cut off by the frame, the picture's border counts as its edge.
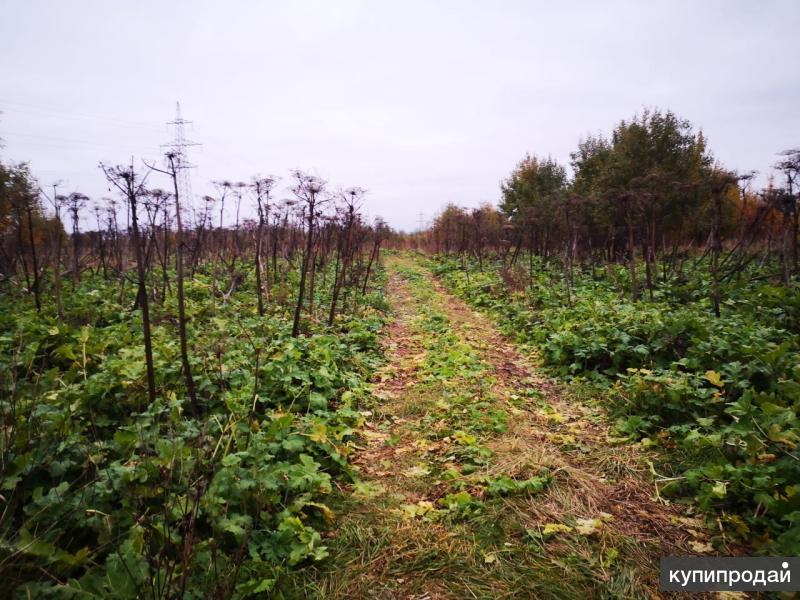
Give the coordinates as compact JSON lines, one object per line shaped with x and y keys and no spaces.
{"x":650,"y":195}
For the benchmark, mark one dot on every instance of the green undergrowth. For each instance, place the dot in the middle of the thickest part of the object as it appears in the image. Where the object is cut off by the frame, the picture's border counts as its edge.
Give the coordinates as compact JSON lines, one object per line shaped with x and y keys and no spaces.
{"x":719,"y":396}
{"x":103,"y":495}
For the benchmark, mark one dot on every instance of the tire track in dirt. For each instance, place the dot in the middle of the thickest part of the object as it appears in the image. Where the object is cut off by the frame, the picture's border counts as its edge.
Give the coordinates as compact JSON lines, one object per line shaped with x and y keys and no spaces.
{"x":630,"y":497}
{"x":384,"y":555}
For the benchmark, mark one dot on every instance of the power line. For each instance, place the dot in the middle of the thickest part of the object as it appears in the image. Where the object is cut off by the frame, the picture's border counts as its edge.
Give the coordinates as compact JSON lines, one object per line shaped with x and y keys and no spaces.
{"x":46,"y":112}
{"x":49,"y":140}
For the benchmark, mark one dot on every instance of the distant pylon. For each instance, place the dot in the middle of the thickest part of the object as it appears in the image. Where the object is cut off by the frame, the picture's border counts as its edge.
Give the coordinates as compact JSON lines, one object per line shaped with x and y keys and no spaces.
{"x":179,"y":146}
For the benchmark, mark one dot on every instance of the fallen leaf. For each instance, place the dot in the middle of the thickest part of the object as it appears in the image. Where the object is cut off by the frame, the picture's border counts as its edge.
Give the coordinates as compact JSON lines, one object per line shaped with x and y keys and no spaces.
{"x":416,"y":471}
{"x":420,"y":509}
{"x":367,"y":489}
{"x":588,"y":526}
{"x":553,"y":528}
{"x":701,"y":547}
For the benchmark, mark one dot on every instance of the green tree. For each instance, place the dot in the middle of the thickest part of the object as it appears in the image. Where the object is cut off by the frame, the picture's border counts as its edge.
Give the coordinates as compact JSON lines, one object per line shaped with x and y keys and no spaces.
{"x":23,"y":225}
{"x":648,"y":180}
{"x":533,"y":183}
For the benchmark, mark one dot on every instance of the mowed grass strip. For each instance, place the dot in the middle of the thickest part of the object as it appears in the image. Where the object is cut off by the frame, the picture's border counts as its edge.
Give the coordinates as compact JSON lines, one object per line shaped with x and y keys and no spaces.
{"x":460,"y":498}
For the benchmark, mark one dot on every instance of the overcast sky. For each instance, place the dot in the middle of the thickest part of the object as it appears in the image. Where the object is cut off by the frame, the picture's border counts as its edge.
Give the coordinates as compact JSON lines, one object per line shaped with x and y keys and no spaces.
{"x":422,"y":103}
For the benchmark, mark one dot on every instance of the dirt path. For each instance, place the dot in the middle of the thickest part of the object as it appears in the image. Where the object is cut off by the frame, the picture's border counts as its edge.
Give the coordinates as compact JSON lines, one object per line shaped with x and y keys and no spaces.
{"x":481,"y":479}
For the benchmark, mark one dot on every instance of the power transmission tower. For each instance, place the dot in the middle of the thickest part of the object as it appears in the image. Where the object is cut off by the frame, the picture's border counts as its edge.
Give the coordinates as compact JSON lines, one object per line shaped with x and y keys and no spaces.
{"x":421,"y":220}
{"x":178,"y":146}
